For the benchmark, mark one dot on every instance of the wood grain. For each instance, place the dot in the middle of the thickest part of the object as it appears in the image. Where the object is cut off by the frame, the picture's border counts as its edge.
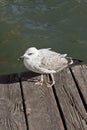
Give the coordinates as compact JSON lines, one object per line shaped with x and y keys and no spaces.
{"x":74,"y":113}
{"x":80,"y":75}
{"x":11,"y":108}
{"x":26,"y":106}
{"x":41,"y":107}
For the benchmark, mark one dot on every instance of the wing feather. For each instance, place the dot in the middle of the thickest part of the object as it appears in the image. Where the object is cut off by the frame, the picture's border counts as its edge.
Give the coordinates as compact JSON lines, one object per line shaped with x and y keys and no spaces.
{"x":54,"y":62}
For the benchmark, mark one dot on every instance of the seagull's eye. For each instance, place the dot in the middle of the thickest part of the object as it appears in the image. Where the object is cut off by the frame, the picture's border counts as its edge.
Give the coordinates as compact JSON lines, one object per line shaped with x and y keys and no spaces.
{"x":30,"y":54}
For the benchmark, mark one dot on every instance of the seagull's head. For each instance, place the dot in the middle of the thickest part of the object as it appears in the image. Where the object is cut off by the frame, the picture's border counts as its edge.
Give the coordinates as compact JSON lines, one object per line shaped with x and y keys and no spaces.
{"x":30,"y":53}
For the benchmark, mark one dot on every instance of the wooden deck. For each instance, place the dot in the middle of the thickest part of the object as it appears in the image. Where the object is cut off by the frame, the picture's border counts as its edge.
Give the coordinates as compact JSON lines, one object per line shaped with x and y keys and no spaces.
{"x":24,"y":106}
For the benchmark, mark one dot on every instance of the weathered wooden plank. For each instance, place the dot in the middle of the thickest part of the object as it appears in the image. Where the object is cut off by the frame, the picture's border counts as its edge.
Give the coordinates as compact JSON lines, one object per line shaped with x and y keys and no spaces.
{"x":74,"y":113}
{"x":11,"y":108}
{"x":80,"y":75}
{"x":41,"y":107}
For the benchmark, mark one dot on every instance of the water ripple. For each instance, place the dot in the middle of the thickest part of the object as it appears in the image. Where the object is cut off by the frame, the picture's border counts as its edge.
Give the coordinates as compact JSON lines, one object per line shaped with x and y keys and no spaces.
{"x":3,"y":3}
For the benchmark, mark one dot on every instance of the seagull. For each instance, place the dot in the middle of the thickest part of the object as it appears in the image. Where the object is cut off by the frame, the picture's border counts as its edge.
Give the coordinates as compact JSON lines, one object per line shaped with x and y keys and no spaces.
{"x":46,"y":61}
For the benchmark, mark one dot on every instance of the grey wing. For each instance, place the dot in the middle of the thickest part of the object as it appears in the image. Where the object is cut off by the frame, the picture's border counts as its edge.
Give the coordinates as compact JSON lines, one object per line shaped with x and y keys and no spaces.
{"x":45,"y":49}
{"x":54,"y":62}
{"x":48,"y":53}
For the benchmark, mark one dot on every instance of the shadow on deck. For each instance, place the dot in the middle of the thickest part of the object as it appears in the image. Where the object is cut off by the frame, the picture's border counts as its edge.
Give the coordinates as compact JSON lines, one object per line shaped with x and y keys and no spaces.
{"x":24,"y":106}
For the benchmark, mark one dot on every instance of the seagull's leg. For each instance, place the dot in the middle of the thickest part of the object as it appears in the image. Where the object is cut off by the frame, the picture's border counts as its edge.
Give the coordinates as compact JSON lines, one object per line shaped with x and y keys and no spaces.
{"x":41,"y":81}
{"x":53,"y":81}
{"x":42,"y":78}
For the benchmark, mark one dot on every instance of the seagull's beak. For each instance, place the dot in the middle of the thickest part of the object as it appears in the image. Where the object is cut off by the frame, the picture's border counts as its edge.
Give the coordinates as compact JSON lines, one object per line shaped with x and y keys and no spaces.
{"x":21,"y":57}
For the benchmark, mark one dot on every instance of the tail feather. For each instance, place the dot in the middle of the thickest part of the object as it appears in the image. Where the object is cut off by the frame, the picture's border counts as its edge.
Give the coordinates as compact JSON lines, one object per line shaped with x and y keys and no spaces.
{"x":76,"y":62}
{"x":72,"y":61}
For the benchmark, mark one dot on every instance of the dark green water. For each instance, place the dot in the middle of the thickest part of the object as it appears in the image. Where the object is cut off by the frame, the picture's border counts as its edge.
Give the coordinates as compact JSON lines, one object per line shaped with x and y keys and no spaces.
{"x":59,"y":24}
